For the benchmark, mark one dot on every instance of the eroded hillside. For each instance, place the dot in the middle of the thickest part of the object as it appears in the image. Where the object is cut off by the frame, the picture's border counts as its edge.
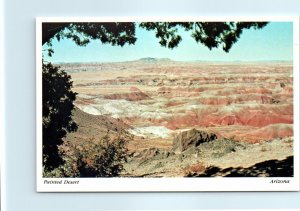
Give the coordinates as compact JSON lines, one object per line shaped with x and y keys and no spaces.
{"x":248,"y":106}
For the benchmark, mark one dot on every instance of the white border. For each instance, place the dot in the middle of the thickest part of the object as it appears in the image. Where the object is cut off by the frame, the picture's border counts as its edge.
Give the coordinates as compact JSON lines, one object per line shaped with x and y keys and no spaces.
{"x":2,"y":110}
{"x":165,"y":184}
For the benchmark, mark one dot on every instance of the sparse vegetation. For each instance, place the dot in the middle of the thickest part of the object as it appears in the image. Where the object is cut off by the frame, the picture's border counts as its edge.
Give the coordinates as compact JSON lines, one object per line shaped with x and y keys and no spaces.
{"x":102,"y":157}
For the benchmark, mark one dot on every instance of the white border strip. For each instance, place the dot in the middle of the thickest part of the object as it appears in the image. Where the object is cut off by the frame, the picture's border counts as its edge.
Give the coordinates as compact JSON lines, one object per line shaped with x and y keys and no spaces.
{"x":164,"y":184}
{"x":296,"y":99}
{"x":2,"y":109}
{"x":39,"y":113}
{"x":166,"y":19}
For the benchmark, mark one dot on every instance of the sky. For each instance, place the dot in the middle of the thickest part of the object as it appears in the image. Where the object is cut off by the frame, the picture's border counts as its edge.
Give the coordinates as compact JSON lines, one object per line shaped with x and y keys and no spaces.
{"x":273,"y":42}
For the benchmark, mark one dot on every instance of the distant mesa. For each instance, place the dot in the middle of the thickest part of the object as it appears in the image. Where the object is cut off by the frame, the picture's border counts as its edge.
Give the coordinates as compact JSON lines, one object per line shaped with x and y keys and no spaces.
{"x":154,"y":60}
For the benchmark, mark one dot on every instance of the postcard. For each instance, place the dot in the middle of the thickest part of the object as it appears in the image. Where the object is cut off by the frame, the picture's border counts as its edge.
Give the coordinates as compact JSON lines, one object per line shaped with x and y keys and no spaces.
{"x":167,"y":104}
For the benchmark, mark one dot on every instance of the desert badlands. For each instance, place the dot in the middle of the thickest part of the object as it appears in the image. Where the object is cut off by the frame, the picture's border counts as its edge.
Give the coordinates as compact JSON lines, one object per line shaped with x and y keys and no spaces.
{"x":189,"y":118}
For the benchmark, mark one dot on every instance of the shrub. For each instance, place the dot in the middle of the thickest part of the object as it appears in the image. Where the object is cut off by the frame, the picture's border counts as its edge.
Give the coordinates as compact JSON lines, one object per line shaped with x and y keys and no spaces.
{"x":93,"y":158}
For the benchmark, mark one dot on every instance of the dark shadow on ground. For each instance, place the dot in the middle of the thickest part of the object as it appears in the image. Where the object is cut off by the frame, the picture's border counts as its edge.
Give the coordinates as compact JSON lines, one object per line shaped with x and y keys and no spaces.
{"x":270,"y":168}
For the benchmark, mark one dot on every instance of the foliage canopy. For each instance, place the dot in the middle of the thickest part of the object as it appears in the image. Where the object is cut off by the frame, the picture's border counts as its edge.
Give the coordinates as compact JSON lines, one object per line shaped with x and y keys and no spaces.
{"x":209,"y":34}
{"x":57,"y":112}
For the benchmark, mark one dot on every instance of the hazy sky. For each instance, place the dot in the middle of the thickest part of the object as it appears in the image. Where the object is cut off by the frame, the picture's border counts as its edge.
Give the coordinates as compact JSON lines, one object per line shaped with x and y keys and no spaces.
{"x":273,"y":42}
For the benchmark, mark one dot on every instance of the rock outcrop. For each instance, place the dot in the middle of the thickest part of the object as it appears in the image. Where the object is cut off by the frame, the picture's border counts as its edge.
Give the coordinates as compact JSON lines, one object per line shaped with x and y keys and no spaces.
{"x":191,"y":138}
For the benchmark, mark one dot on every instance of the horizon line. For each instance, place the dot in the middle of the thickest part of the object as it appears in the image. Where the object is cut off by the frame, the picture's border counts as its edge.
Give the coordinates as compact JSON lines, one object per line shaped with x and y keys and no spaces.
{"x":171,"y":60}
